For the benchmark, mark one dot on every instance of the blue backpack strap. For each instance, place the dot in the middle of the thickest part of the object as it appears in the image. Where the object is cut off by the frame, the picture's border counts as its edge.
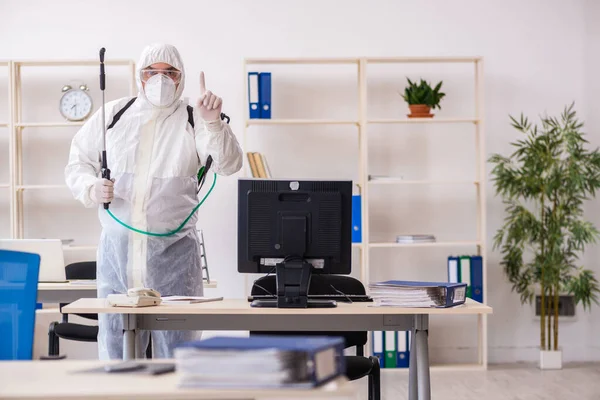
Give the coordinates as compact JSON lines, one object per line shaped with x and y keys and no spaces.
{"x":121,"y":111}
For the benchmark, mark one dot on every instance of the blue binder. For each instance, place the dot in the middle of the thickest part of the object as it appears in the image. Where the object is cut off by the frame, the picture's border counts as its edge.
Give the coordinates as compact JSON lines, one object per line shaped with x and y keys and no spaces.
{"x":445,"y":294}
{"x":315,"y":348}
{"x":403,"y":350}
{"x":477,"y":278}
{"x":453,"y":269}
{"x":264,"y":89}
{"x":253,"y":95}
{"x":356,"y":219}
{"x":378,"y":347}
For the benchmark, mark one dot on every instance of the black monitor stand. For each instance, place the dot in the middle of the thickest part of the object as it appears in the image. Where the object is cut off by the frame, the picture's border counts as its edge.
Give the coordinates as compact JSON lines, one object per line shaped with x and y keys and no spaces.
{"x":293,"y":280}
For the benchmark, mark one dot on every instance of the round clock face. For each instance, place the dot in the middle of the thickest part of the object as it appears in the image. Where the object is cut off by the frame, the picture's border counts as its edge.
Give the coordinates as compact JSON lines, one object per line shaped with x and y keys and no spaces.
{"x":75,"y":105}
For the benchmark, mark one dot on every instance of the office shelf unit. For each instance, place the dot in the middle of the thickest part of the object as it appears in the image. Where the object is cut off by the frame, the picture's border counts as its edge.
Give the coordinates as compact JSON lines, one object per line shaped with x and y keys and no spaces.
{"x":17,"y":127}
{"x":5,"y":158}
{"x":363,"y":123}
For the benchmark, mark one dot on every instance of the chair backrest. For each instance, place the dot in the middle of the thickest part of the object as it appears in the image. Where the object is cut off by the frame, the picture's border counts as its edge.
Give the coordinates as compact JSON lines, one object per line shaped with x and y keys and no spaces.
{"x":19,"y":274}
{"x":81,"y":270}
{"x":319,"y":285}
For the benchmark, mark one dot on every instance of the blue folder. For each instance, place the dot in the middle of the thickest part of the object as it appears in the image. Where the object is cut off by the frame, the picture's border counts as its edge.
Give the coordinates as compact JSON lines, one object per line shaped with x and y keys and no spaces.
{"x":253,"y":95}
{"x":264,"y":89}
{"x":445,"y":294}
{"x":477,"y":278}
{"x":378,"y":347}
{"x":315,"y":347}
{"x":453,"y":269}
{"x":403,"y":350}
{"x":19,"y":274}
{"x":356,"y":219}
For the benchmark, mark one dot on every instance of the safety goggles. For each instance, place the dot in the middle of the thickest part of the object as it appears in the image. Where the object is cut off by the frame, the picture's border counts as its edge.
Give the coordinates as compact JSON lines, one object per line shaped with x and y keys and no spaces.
{"x":148,"y":73}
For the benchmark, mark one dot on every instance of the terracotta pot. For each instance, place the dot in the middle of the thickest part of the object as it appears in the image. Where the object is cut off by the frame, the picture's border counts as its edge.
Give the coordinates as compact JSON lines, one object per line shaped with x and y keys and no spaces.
{"x":419,"y":111}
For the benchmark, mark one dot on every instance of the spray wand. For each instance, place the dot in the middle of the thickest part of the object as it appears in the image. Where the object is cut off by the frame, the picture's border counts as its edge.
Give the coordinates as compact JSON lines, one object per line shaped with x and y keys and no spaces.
{"x":105,"y":170}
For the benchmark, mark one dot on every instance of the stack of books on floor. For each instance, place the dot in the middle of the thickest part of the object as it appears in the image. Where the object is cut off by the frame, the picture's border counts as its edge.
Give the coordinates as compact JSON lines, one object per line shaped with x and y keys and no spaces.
{"x":417,"y":294}
{"x":412,"y":239}
{"x":260,"y":362}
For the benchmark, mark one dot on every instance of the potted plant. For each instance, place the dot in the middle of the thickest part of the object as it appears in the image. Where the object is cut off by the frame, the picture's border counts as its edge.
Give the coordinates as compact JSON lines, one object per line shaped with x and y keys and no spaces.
{"x":421,"y":98}
{"x":544,"y":184}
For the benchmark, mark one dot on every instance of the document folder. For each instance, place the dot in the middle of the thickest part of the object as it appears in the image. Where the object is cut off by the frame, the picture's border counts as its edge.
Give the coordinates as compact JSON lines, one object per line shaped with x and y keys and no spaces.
{"x":253,"y":97}
{"x":264,"y":88}
{"x":403,"y":349}
{"x":477,"y":278}
{"x":418,"y":294}
{"x":378,"y":347}
{"x":453,"y":270}
{"x":356,"y":219}
{"x":390,"y":349}
{"x":260,"y":361}
{"x":465,"y":272}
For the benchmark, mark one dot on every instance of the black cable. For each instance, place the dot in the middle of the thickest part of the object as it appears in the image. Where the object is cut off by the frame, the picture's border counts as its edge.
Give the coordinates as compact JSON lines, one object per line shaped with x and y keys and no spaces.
{"x":262,"y":277}
{"x":340,"y":292}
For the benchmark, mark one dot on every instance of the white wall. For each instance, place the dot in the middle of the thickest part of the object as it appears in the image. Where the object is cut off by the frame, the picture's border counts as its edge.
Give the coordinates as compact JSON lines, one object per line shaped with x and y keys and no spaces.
{"x":539,"y":56}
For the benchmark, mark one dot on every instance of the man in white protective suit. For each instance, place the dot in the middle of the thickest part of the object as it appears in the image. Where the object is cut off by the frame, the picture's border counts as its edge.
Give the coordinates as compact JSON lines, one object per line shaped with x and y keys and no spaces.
{"x":154,"y":152}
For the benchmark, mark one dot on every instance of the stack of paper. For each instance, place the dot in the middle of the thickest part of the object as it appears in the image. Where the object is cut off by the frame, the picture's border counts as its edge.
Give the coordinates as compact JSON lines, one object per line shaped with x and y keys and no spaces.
{"x":260,"y":361}
{"x":408,"y":239}
{"x":417,"y":294}
{"x":188,"y":299}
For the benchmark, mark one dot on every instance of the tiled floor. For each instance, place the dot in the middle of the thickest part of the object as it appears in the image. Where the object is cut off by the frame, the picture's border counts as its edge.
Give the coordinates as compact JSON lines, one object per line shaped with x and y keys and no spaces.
{"x":500,"y":382}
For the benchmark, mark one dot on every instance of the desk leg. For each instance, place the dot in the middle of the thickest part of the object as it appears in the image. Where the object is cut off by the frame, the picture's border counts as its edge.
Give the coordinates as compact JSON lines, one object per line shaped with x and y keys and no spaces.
{"x":129,"y":325}
{"x":412,"y":368}
{"x":422,"y":347}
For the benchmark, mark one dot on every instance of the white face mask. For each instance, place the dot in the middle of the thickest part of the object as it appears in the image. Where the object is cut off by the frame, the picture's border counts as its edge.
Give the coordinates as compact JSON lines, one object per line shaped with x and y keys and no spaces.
{"x":160,"y":90}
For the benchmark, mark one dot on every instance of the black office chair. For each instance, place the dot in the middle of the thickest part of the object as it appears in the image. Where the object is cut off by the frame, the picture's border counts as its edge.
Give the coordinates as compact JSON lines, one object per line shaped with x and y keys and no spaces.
{"x":68,"y":330}
{"x":356,"y":366}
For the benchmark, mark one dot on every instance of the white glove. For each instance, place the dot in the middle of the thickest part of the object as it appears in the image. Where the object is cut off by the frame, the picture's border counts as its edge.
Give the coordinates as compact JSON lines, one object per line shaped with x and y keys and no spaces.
{"x":209,"y":105}
{"x":102,"y":191}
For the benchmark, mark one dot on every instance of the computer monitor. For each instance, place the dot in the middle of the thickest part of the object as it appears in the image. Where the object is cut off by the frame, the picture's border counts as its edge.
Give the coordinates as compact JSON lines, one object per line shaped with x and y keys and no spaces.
{"x":294,"y":228}
{"x":52,"y":265}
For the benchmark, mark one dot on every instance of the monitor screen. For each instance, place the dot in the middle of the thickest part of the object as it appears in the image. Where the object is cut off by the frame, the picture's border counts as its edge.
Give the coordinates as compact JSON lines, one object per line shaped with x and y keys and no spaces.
{"x":280,"y":220}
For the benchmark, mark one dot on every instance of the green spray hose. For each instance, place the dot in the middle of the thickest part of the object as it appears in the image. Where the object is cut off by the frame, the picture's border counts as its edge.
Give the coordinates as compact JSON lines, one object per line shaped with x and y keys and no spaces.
{"x":180,"y":226}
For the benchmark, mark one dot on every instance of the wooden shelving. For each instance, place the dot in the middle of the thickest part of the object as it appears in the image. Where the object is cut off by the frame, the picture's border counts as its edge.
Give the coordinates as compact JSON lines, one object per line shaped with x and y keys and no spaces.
{"x":40,"y":187}
{"x":434,"y":120}
{"x":17,"y":101}
{"x":400,"y":181}
{"x":48,"y":124}
{"x":258,"y":121}
{"x":363,"y":122}
{"x":392,"y":245}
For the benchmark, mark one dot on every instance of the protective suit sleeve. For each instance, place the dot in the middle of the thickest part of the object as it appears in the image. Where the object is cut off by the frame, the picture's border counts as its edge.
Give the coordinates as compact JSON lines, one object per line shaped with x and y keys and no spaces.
{"x":84,"y":164}
{"x":215,"y":138}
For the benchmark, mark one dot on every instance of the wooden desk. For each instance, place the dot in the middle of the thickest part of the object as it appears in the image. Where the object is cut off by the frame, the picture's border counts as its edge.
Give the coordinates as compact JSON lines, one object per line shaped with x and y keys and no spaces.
{"x":237,"y":315}
{"x":65,"y":292}
{"x":68,"y":292}
{"x":61,"y":380}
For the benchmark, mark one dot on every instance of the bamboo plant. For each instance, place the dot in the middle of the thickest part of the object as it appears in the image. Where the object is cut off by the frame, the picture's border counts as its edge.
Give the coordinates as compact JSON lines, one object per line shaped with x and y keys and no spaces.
{"x":544,"y":184}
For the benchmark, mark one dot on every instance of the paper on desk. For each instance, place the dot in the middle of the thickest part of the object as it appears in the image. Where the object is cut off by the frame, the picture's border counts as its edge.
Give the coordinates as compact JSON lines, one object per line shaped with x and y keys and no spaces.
{"x":82,"y":282}
{"x":188,"y":299}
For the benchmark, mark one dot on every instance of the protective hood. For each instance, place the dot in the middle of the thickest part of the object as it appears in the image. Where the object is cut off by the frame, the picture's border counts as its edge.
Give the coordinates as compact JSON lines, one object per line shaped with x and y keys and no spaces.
{"x":160,"y":53}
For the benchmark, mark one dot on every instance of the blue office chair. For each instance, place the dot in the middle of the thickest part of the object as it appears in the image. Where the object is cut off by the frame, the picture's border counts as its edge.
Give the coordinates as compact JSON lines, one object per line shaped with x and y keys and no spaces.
{"x":19,"y":274}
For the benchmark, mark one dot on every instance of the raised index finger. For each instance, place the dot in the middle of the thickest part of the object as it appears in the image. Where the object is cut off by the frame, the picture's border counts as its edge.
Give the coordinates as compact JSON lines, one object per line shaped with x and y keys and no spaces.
{"x":202,"y":84}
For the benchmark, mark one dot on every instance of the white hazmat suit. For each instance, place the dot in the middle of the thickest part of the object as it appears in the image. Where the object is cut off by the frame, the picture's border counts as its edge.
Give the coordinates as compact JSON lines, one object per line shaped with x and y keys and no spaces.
{"x":154,"y":155}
